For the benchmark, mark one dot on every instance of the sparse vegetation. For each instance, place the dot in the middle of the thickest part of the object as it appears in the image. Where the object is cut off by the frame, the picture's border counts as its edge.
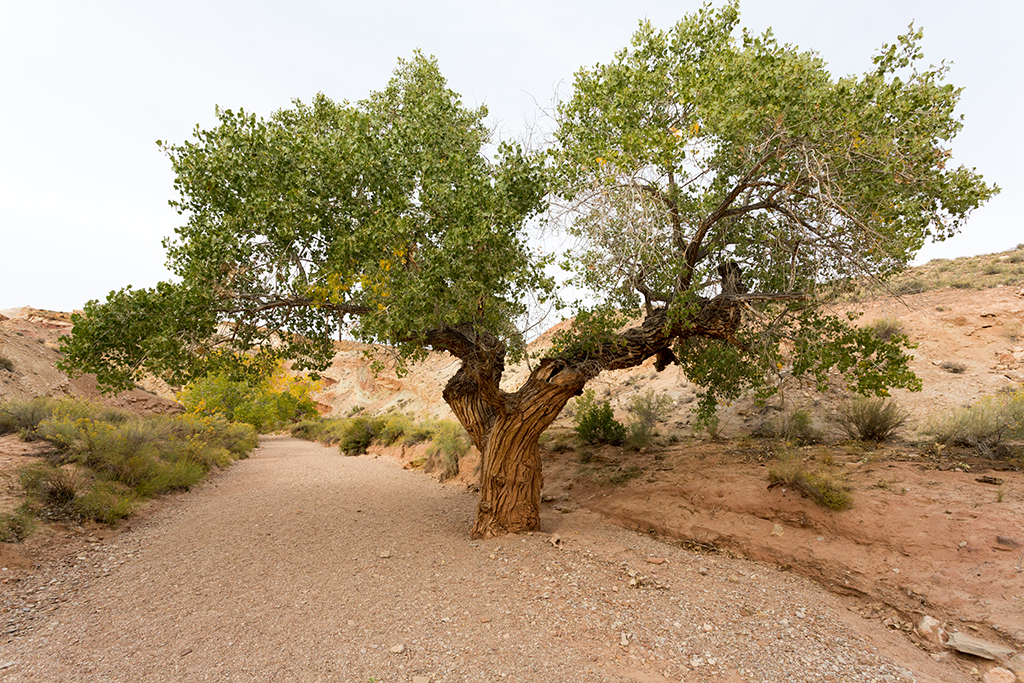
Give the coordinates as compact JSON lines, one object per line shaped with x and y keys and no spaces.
{"x":6,"y":363}
{"x":450,"y":443}
{"x":14,"y":526}
{"x":354,"y":436}
{"x":953,"y":367}
{"x":871,"y":418}
{"x":982,"y":425}
{"x":796,"y":426}
{"x":825,"y":485}
{"x":647,"y":410}
{"x":886,"y":328}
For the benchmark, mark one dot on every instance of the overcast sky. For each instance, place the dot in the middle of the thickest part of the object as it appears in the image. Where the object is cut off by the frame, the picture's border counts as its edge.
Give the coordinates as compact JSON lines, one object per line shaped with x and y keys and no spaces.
{"x":88,"y":87}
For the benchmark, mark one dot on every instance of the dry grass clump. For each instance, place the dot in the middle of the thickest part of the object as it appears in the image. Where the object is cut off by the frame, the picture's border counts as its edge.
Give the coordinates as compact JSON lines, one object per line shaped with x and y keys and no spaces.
{"x":871,"y":419}
{"x":825,"y":485}
{"x":953,"y":367}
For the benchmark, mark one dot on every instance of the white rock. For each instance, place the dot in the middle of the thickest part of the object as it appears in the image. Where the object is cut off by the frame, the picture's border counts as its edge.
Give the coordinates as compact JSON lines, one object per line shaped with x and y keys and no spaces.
{"x":421,"y":679}
{"x":977,"y":647}
{"x":398,"y":649}
{"x":999,"y":675}
{"x":930,"y":629}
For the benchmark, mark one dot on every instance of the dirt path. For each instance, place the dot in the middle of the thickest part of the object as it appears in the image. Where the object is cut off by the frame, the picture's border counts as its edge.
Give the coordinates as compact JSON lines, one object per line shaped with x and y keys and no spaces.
{"x":301,"y":565}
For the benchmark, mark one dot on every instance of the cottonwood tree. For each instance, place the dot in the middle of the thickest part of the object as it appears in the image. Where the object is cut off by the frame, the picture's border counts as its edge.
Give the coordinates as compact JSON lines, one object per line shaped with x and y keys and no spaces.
{"x":720,"y":188}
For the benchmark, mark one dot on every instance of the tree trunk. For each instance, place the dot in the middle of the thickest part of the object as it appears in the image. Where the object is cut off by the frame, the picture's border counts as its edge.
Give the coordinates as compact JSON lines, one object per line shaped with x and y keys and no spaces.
{"x":510,"y":480}
{"x":506,"y":427}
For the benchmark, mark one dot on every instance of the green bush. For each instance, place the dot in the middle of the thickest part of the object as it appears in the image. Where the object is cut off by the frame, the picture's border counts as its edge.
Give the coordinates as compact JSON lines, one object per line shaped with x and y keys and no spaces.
{"x":6,"y":364}
{"x":595,"y":422}
{"x":14,"y":527}
{"x":359,"y":433}
{"x":24,"y":416}
{"x":871,"y":419}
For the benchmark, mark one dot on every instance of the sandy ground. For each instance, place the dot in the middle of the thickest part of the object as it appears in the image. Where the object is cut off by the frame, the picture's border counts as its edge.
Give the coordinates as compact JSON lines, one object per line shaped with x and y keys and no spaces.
{"x":302,"y":565}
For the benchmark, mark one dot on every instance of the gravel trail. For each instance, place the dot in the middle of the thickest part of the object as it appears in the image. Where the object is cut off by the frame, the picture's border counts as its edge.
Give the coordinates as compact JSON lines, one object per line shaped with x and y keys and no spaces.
{"x":299,"y":564}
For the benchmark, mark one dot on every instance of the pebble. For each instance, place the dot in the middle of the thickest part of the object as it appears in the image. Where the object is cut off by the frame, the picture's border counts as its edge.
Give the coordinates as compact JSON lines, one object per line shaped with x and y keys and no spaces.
{"x":398,"y":649}
{"x":703,"y":571}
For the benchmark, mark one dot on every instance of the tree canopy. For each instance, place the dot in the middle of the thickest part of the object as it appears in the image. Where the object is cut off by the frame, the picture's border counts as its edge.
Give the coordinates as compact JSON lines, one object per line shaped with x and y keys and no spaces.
{"x":721,"y":188}
{"x":700,"y":163}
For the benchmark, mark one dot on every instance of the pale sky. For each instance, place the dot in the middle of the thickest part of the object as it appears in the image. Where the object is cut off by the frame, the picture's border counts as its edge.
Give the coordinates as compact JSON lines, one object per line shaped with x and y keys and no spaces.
{"x":88,"y":87}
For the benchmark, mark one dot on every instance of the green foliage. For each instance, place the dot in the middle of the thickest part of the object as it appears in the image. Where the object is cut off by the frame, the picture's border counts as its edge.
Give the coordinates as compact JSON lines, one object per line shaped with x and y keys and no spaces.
{"x":263,"y":403}
{"x":796,"y":425}
{"x":6,"y":364}
{"x":687,"y":152}
{"x":595,"y":422}
{"x":982,"y":425}
{"x":379,"y":209}
{"x":826,"y":486}
{"x":359,"y":432}
{"x":871,"y":419}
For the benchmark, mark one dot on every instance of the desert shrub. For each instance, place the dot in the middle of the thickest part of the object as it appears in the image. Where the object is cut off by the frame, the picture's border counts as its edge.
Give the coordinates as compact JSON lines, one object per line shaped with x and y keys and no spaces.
{"x":394,"y":428}
{"x":595,"y":422}
{"x":953,"y":367}
{"x":824,"y":485}
{"x":52,"y":488}
{"x":907,"y":287}
{"x":647,"y":410}
{"x":619,"y":476}
{"x":871,"y":418}
{"x":1013,"y":329}
{"x":359,"y":433}
{"x":6,"y":364}
{"x":106,"y":502}
{"x":24,"y":416}
{"x":106,"y":466}
{"x":310,"y":430}
{"x":449,"y":444}
{"x":982,"y":425}
{"x":14,"y":527}
{"x":420,"y":432}
{"x":886,"y":328}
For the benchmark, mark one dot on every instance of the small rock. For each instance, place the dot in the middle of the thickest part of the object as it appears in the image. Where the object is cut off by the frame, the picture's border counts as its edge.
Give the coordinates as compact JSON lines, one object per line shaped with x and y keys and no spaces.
{"x":1016,"y":664}
{"x":421,"y":679}
{"x":961,"y":642}
{"x":999,"y":675}
{"x":930,"y":629}
{"x":708,"y":628}
{"x":777,"y":530}
{"x":734,"y":578}
{"x":623,"y":640}
{"x":398,"y":649}
{"x":656,"y":560}
{"x":703,"y":571}
{"x":386,"y":554}
{"x":555,"y":540}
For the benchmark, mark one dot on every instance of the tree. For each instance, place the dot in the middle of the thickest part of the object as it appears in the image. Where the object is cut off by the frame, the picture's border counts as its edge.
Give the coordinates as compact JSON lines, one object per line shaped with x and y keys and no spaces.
{"x":719,"y":188}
